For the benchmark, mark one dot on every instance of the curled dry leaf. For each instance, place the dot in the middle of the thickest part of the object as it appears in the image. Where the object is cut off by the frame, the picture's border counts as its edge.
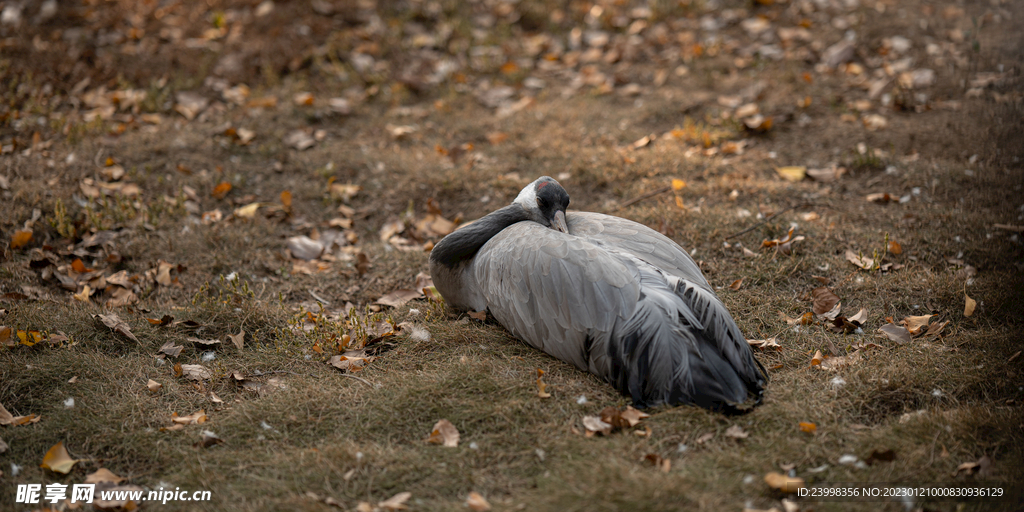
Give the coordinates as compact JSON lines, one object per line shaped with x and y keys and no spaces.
{"x":396,"y":502}
{"x":238,"y":340}
{"x":346,"y":363}
{"x":195,"y":418}
{"x":915,"y":324}
{"x":783,"y":483}
{"x":195,"y":372}
{"x":823,"y":300}
{"x":736,"y":284}
{"x":541,"y":386}
{"x":477,"y":503}
{"x":768,"y":343}
{"x":58,"y":460}
{"x":817,"y":358}
{"x":594,"y":425}
{"x":792,"y":173}
{"x":969,"y":305}
{"x":103,"y":475}
{"x":153,"y":385}
{"x":445,"y":434}
{"x":112,"y":321}
{"x":861,"y":261}
{"x":171,"y":349}
{"x":736,"y":432}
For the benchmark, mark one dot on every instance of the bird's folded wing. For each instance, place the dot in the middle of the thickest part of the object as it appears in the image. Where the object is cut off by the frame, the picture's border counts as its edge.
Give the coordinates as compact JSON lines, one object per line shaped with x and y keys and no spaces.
{"x":642,"y":241}
{"x":557,"y":292}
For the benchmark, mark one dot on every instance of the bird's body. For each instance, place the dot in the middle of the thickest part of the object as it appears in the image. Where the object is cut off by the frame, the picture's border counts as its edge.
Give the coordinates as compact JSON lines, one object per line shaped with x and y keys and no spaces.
{"x":603,"y":293}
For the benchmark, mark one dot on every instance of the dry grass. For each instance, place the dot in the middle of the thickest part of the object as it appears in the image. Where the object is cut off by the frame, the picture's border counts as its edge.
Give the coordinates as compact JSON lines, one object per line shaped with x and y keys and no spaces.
{"x":937,"y":403}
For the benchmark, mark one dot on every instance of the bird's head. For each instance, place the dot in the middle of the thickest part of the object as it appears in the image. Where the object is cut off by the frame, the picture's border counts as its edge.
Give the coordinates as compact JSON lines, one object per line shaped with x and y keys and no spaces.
{"x":545,"y":202}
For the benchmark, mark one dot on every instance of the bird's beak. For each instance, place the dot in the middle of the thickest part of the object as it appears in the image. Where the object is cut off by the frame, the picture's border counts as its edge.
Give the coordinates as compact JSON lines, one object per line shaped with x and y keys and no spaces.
{"x":558,"y":223}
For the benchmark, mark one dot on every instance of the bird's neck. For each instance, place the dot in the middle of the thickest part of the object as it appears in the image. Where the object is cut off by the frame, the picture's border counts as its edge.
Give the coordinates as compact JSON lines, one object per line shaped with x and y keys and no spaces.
{"x":462,"y":244}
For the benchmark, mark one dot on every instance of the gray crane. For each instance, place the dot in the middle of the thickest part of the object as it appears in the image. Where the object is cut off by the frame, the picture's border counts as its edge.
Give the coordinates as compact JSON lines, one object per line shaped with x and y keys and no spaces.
{"x":605,"y":294}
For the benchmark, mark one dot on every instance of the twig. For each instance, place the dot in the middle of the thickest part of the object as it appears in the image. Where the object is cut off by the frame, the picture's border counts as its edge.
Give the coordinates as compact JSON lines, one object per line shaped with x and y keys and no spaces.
{"x":770,"y":218}
{"x":645,"y":196}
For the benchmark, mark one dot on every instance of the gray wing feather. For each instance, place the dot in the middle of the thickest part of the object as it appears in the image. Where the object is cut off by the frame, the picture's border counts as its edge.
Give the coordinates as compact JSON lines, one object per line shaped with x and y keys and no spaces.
{"x":564,"y":290}
{"x":642,"y":241}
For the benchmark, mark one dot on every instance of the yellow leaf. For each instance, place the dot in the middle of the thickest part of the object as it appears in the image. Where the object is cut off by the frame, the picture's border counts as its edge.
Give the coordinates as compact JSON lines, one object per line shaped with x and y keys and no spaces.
{"x":103,"y":475}
{"x":969,"y":305}
{"x":248,"y":211}
{"x":84,"y":294}
{"x":783,"y":483}
{"x":58,"y":460}
{"x":792,"y":173}
{"x":914,"y":324}
{"x":541,"y":386}
{"x":679,"y":203}
{"x":810,"y":428}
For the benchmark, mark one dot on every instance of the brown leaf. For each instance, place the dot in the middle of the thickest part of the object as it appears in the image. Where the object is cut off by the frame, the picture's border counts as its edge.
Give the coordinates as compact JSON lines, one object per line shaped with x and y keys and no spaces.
{"x":823,"y":300}
{"x":112,"y":321}
{"x":736,"y":432}
{"x":784,"y":483}
{"x":444,"y":433}
{"x":165,"y":320}
{"x":736,"y":284}
{"x":478,"y":315}
{"x":171,"y":349}
{"x":861,"y":261}
{"x":833,"y":363}
{"x":477,"y":503}
{"x":808,"y":427}
{"x":398,"y":298}
{"x":346,"y":363}
{"x":594,"y":425}
{"x":969,"y":305}
{"x":103,"y":475}
{"x":817,"y":358}
{"x":915,"y":324}
{"x":881,"y":456}
{"x":895,"y":333}
{"x":238,"y":339}
{"x":58,"y":460}
{"x":195,"y":372}
{"x":632,"y":416}
{"x":396,"y":502}
{"x":153,"y":385}
{"x":881,"y":198}
{"x":768,"y":343}
{"x":195,"y":418}
{"x":204,"y":344}
{"x":208,"y":439}
{"x":705,"y":438}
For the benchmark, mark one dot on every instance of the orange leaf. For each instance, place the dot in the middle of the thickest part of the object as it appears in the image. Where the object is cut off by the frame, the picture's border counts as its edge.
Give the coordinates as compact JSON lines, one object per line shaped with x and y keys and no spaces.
{"x":810,"y":428}
{"x":78,"y":266}
{"x":221,"y":190}
{"x":20,"y":238}
{"x":58,"y":460}
{"x":286,"y":200}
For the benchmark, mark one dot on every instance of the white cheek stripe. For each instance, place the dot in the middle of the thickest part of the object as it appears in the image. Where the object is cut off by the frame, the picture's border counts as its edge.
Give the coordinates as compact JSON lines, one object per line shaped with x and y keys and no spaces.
{"x":528,"y":197}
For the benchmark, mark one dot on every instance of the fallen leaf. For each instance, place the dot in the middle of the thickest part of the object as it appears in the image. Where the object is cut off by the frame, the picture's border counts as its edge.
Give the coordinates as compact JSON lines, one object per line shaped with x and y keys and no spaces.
{"x":541,"y":386}
{"x":792,"y":173}
{"x":736,"y":284}
{"x":299,"y":140}
{"x":20,"y":238}
{"x":969,"y":305}
{"x":705,"y":438}
{"x":914,"y":324}
{"x":594,"y":425}
{"x":396,"y":502}
{"x":103,"y":475}
{"x":398,"y":298}
{"x":736,"y":432}
{"x":477,"y":315}
{"x":83,"y":296}
{"x":195,"y":418}
{"x":895,"y":333}
{"x":833,"y":363}
{"x":859,"y":318}
{"x":861,"y":261}
{"x":767,"y":343}
{"x":345,"y":363}
{"x":195,"y":372}
{"x":171,"y":349}
{"x":823,"y":300}
{"x":58,"y":460}
{"x":153,"y":385}
{"x":248,"y":211}
{"x":632,"y":416}
{"x":678,"y":184}
{"x":881,"y":198}
{"x":445,"y":434}
{"x":808,"y":427}
{"x":804,"y":319}
{"x":208,"y":438}
{"x":881,"y":456}
{"x":784,"y":483}
{"x":477,"y":503}
{"x":663,"y":464}
{"x":817,"y":358}
{"x":238,"y":339}
{"x":221,"y":190}
{"x":345,"y":191}
{"x":112,"y":321}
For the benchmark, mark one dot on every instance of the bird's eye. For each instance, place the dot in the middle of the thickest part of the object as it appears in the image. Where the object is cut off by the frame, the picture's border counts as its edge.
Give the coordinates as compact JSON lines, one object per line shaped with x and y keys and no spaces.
{"x":541,"y":202}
